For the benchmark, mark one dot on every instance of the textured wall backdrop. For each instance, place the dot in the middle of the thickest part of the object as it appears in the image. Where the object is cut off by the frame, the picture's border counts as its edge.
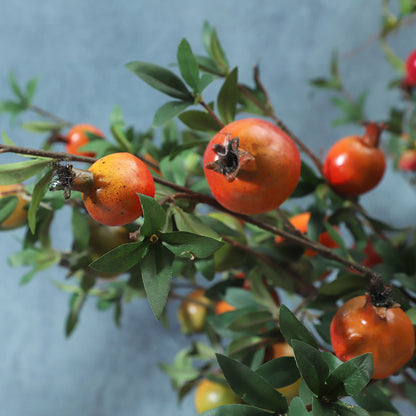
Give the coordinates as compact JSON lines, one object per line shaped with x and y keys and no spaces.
{"x":78,"y":49}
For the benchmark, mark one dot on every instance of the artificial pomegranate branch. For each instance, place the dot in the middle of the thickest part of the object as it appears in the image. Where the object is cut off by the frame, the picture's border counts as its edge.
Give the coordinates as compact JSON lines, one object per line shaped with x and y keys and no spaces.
{"x":186,"y":193}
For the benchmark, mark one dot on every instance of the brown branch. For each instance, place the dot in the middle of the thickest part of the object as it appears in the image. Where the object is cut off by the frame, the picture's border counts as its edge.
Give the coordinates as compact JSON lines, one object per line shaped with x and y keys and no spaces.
{"x":211,"y":113}
{"x":51,"y":116}
{"x":186,"y":193}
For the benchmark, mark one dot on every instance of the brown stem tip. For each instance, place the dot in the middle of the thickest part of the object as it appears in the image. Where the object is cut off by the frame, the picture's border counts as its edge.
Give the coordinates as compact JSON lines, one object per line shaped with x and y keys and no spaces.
{"x":372,"y":133}
{"x":231,"y":159}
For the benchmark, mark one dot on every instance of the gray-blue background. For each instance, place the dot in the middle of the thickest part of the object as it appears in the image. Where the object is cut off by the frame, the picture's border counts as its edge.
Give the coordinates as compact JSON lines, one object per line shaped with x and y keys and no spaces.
{"x":78,"y":49}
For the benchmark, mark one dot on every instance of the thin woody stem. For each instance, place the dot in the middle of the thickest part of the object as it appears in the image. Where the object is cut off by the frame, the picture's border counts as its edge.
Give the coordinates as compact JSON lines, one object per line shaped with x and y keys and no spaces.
{"x":211,"y":113}
{"x":51,"y":116}
{"x":186,"y":193}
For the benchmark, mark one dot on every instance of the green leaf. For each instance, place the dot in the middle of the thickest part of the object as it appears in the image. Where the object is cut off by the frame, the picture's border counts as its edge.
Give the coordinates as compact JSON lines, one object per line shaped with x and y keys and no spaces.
{"x":37,"y":196}
{"x":346,"y":409}
{"x":343,"y":284}
{"x":76,"y":303}
{"x":199,"y":120}
{"x":374,"y":399}
{"x":182,"y":243}
{"x":353,"y":375}
{"x":31,"y":89}
{"x":173,"y":169}
{"x":217,"y":53}
{"x":297,"y":408}
{"x":354,"y":110}
{"x":251,"y":321}
{"x":292,"y":329}
{"x":321,"y":408}
{"x":41,"y":126}
{"x":156,"y":268}
{"x":80,"y":229}
{"x":279,"y":372}
{"x":20,"y":171}
{"x":168,"y":111}
{"x":7,"y":206}
{"x":161,"y":79}
{"x":121,"y":258}
{"x":15,"y":88}
{"x":252,"y":387}
{"x":188,"y":65}
{"x":154,"y":216}
{"x":312,"y":366}
{"x":206,"y":267}
{"x":228,"y":97}
{"x":235,"y":410}
{"x":191,"y":223}
{"x":7,"y":140}
{"x":205,"y":80}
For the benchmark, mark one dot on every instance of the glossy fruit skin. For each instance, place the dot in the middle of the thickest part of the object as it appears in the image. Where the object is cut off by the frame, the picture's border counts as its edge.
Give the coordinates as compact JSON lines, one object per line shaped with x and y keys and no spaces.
{"x":359,"y":327}
{"x":210,"y":394}
{"x":19,"y":216}
{"x":76,"y":138}
{"x":192,"y":312}
{"x":353,"y":166}
{"x":265,"y":182}
{"x":411,"y":69}
{"x":300,"y":222}
{"x":118,"y":178}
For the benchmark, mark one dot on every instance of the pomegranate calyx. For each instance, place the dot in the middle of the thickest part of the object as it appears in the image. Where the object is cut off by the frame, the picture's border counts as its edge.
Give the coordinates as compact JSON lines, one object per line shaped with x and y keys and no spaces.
{"x":381,"y":294}
{"x":231,"y":159}
{"x":372,"y":133}
{"x":67,"y":178}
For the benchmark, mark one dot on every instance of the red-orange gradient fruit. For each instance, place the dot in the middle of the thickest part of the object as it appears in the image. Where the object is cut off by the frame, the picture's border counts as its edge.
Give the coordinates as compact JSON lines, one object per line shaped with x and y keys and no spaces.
{"x":112,"y":197}
{"x":77,"y":137}
{"x":359,"y":327}
{"x":300,"y":222}
{"x":251,"y":166}
{"x":355,"y":164}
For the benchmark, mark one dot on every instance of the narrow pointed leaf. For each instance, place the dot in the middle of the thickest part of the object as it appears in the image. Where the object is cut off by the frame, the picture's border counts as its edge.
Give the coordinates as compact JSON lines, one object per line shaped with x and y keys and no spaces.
{"x":161,"y":79}
{"x":20,"y":171}
{"x":252,"y":387}
{"x":188,"y":64}
{"x":156,"y":268}
{"x":168,"y":111}
{"x":228,"y":97}
{"x":7,"y":206}
{"x":293,"y":329}
{"x":121,"y":258}
{"x":182,"y":243}
{"x":235,"y":410}
{"x":37,"y":196}
{"x":154,"y":216}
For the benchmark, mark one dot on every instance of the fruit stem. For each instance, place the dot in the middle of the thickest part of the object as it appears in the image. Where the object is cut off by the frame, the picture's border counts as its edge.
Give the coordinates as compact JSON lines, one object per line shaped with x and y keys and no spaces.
{"x":371,"y":137}
{"x":231,"y":159}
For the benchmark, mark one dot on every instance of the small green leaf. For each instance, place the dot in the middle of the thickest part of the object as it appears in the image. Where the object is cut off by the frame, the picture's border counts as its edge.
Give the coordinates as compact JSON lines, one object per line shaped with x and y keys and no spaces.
{"x":7,"y":206}
{"x":279,"y":372}
{"x":353,"y":375}
{"x":321,"y":408}
{"x":188,"y":65}
{"x":154,"y":216}
{"x":251,"y":321}
{"x":161,"y":79}
{"x":206,"y":267}
{"x":312,"y":366}
{"x":7,"y":140}
{"x":182,"y":243}
{"x":20,"y":171}
{"x":252,"y":387}
{"x":192,"y":223}
{"x":156,"y":268}
{"x":77,"y":301}
{"x":41,"y":126}
{"x":199,"y":120}
{"x":346,"y":409}
{"x":80,"y":229}
{"x":121,"y":258}
{"x":297,"y":408}
{"x":374,"y":399}
{"x":31,"y":89}
{"x":228,"y":97}
{"x":37,"y":196}
{"x":15,"y":88}
{"x":217,"y":53}
{"x":292,"y":329}
{"x":235,"y":410}
{"x":168,"y":111}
